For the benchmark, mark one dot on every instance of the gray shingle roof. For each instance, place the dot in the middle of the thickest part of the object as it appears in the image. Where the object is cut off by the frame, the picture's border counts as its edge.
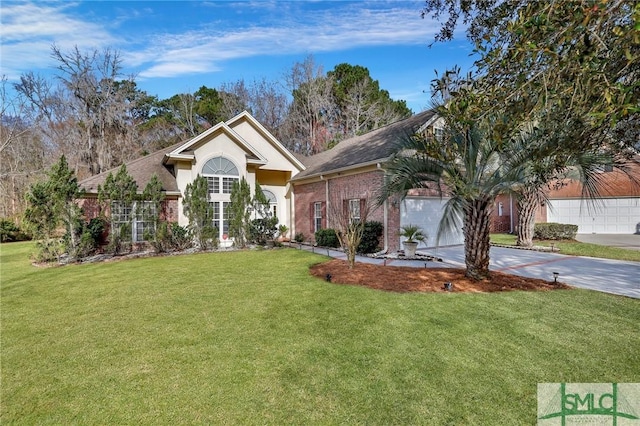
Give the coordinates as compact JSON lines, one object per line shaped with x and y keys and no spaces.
{"x":375,"y":146}
{"x":141,"y":169}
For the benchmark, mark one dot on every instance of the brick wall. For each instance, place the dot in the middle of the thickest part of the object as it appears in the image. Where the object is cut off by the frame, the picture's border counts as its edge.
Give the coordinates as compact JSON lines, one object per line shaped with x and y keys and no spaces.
{"x":305,"y":196}
{"x":90,"y":206}
{"x":615,"y":184}
{"x":356,"y":186}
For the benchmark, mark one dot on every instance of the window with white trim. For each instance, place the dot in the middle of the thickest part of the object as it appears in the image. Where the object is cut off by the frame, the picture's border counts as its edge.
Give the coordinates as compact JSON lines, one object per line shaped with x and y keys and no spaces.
{"x":354,"y":210}
{"x":273,"y":202}
{"x":438,"y":133}
{"x":221,"y":173}
{"x":135,"y":217}
{"x":317,"y":216}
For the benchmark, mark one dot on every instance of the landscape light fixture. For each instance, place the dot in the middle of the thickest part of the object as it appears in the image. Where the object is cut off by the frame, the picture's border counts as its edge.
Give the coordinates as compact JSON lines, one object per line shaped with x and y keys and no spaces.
{"x":448,"y":286}
{"x":555,"y":277}
{"x":328,"y":278}
{"x":553,"y":247}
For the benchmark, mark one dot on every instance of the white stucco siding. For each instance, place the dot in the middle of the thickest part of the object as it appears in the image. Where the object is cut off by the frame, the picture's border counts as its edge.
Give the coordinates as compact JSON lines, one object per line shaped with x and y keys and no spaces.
{"x":275,"y":159}
{"x":222,"y":146}
{"x":183,"y":178}
{"x":427,"y":213}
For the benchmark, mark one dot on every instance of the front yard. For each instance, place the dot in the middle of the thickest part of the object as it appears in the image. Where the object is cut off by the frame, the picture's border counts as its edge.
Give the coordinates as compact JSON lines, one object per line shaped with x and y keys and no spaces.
{"x":253,"y":338}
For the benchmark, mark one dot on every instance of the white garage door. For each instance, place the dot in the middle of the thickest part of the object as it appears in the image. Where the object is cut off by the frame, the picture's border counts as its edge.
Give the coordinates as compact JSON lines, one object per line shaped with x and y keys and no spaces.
{"x":426,"y":213}
{"x":605,"y":216}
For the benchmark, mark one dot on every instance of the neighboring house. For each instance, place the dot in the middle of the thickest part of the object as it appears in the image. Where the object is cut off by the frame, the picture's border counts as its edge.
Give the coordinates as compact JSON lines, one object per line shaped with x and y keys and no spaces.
{"x":350,"y":174}
{"x":228,"y":151}
{"x":615,"y":211}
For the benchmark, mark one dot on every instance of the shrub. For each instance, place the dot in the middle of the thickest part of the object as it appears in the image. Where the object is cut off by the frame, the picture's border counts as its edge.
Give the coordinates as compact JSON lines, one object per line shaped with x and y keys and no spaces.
{"x":299,"y":237}
{"x":555,"y":231}
{"x":327,"y":238}
{"x":120,"y":239}
{"x":95,"y":228}
{"x":9,"y":231}
{"x":160,"y":240}
{"x":209,"y":238}
{"x":263,"y":230}
{"x":86,"y":245}
{"x":370,"y":241}
{"x":180,"y":239}
{"x":48,"y":250}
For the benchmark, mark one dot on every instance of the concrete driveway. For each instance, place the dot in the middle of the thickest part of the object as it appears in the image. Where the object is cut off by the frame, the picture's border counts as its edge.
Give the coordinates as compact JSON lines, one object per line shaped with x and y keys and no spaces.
{"x":625,"y":241}
{"x":609,"y":276}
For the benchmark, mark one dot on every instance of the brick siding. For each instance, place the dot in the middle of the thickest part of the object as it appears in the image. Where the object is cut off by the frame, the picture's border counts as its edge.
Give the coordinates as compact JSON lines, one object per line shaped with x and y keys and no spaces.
{"x":356,"y":186}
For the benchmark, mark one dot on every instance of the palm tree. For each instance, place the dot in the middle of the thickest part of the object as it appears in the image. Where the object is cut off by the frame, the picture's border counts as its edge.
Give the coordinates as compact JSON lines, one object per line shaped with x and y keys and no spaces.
{"x":466,"y":166}
{"x":549,"y":159}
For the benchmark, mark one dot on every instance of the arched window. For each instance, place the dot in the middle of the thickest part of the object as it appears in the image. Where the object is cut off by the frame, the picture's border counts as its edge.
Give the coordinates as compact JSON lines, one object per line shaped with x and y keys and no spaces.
{"x":273,"y":202}
{"x":221,"y":173}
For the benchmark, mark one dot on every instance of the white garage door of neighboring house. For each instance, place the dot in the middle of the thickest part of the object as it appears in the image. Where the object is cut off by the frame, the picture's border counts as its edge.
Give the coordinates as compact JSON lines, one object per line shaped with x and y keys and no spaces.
{"x":605,"y":216}
{"x":426,"y":213}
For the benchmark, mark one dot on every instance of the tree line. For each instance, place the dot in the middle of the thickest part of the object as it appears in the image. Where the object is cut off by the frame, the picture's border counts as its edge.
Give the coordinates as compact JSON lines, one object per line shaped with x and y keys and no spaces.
{"x":98,"y":118}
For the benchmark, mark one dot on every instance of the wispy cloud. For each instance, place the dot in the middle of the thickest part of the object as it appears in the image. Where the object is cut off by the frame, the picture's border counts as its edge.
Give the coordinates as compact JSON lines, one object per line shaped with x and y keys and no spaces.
{"x":286,"y":28}
{"x":332,"y":30}
{"x":29,"y":30}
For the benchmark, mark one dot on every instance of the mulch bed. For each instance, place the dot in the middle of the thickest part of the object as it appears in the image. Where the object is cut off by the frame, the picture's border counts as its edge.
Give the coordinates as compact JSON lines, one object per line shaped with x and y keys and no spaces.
{"x":406,"y":279}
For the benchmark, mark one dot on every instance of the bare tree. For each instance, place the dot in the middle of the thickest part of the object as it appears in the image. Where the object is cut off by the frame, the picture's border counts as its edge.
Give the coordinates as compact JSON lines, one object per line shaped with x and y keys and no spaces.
{"x":99,"y":102}
{"x":265,"y":100}
{"x":349,"y":210}
{"x":311,"y":115}
{"x":235,"y":98}
{"x":21,"y":153}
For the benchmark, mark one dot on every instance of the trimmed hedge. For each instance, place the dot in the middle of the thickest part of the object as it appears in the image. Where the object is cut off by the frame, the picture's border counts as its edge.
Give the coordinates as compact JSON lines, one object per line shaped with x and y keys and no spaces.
{"x":555,"y":231}
{"x":327,"y":238}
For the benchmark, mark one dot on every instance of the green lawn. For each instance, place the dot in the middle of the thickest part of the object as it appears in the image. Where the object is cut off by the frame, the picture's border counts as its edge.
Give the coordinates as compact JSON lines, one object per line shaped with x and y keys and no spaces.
{"x":576,"y":248}
{"x":251,"y":338}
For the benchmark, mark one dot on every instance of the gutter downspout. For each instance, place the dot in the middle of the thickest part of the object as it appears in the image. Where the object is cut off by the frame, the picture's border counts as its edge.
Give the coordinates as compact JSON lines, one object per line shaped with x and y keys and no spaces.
{"x":385,"y":224}
{"x":326,"y":199}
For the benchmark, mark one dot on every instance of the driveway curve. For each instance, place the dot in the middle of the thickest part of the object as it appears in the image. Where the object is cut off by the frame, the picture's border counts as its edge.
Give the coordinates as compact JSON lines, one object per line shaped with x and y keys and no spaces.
{"x":609,"y":276}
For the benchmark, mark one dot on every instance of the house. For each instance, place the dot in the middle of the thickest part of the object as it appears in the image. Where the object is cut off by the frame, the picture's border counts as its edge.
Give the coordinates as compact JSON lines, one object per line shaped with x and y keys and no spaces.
{"x":303,"y":192}
{"x":615,"y":211}
{"x":349,"y":175}
{"x":228,"y":151}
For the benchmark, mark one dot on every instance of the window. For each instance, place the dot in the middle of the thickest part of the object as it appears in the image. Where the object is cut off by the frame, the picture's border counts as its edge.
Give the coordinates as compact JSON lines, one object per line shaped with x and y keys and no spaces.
{"x":354,"y":210}
{"x":227,"y":184}
{"x":121,"y":218}
{"x":134,"y":218}
{"x":273,"y":202}
{"x":438,"y":133}
{"x":145,"y":213}
{"x":221,"y":217}
{"x":317,"y":217}
{"x":221,"y":174}
{"x":213,"y":185}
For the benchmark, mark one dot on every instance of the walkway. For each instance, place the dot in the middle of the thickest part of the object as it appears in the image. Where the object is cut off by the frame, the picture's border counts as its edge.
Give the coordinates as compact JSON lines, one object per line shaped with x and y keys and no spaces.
{"x":609,"y":276}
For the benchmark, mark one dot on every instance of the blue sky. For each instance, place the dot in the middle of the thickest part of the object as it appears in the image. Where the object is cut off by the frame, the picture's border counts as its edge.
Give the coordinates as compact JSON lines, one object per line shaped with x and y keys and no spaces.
{"x":177,"y":46}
